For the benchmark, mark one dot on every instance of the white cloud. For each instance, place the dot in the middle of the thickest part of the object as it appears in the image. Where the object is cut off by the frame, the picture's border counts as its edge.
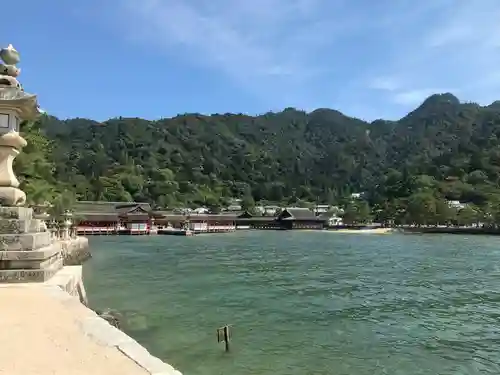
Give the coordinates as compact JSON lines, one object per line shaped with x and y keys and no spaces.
{"x":456,"y":47}
{"x":317,"y":52}
{"x":385,"y":83}
{"x":266,"y":46}
{"x":245,"y":39}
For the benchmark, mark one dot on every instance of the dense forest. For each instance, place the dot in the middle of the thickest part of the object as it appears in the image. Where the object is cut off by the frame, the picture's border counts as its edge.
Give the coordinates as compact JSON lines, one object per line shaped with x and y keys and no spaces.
{"x":443,"y":150}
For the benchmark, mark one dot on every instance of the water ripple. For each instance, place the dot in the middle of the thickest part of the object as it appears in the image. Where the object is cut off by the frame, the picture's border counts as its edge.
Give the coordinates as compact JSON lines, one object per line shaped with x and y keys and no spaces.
{"x":307,"y":303}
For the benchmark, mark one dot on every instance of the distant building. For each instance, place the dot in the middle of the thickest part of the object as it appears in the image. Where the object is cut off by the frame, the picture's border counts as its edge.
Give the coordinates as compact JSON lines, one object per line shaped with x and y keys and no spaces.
{"x":271,"y":210}
{"x":334,"y":221}
{"x":234,"y":207}
{"x":259,"y":210}
{"x":138,"y":218}
{"x":456,"y":205}
{"x":321,"y":208}
{"x":357,"y":195}
{"x":331,"y":218}
{"x":299,"y":218}
{"x":182,"y":211}
{"x":113,"y":217}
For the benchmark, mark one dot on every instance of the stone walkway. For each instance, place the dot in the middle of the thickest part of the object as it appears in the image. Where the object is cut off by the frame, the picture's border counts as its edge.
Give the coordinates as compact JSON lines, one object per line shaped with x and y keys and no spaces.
{"x":44,"y":331}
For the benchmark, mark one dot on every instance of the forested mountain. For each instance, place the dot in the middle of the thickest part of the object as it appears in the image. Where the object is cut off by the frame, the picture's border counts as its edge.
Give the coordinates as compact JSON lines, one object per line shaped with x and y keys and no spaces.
{"x":445,"y":147}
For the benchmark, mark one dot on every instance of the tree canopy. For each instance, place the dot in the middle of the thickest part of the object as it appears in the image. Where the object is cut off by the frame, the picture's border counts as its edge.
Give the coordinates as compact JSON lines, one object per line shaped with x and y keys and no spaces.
{"x":443,"y":150}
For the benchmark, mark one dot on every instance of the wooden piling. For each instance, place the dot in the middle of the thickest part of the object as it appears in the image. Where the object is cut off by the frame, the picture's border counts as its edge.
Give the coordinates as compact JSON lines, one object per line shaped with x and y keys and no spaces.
{"x":223,"y":334}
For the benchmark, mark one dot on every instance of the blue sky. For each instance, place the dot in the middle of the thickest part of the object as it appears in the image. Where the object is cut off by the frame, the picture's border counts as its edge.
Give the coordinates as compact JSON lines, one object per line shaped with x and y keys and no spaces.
{"x":157,"y":58}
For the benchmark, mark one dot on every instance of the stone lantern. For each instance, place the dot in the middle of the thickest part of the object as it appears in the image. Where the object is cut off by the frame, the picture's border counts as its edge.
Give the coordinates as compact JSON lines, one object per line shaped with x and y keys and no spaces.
{"x":16,"y":106}
{"x":27,"y":252}
{"x":67,"y":223}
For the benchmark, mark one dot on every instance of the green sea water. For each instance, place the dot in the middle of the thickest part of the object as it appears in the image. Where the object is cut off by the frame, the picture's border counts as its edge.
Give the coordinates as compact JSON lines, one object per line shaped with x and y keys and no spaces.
{"x":306,"y":302}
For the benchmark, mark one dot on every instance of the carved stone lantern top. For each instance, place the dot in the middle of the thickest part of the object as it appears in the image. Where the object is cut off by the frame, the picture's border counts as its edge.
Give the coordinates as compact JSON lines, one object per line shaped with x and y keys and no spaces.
{"x":10,"y":55}
{"x":11,"y":92}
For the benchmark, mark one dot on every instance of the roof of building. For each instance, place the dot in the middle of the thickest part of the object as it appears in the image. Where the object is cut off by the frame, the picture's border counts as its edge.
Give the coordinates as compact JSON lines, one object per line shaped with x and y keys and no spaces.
{"x":245,"y":215}
{"x":133,"y":210}
{"x":160,"y":213}
{"x":129,"y":207}
{"x":221,"y":217}
{"x":254,"y":219}
{"x":170,"y":217}
{"x":231,"y":213}
{"x":112,"y":211}
{"x":136,"y":217}
{"x":96,"y":217}
{"x":297,"y":214}
{"x":108,"y":207}
{"x":328,"y":215}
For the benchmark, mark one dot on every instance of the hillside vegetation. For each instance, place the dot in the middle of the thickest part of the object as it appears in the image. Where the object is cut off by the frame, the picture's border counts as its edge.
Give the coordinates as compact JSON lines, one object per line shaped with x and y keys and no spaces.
{"x":443,"y":150}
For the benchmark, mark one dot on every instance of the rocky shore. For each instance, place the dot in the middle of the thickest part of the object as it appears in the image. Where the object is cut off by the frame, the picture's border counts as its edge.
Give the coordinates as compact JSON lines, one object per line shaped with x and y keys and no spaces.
{"x":111,"y":316}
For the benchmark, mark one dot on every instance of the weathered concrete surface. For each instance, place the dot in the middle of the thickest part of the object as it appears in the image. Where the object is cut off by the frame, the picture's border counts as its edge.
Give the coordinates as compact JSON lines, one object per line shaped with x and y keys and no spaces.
{"x":75,"y":251}
{"x":70,"y":280}
{"x":45,"y":330}
{"x":27,"y":251}
{"x":25,"y":242}
{"x":21,"y":276}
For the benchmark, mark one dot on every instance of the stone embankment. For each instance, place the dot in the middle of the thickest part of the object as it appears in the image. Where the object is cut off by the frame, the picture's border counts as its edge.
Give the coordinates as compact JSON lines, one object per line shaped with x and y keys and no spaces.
{"x":75,"y":251}
{"x":47,"y":329}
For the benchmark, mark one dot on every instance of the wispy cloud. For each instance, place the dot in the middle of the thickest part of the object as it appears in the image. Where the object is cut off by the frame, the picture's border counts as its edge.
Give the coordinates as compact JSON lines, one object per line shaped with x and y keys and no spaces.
{"x":261,"y":44}
{"x":246,"y":39}
{"x":331,"y":52}
{"x":385,"y":83}
{"x":454,"y":47}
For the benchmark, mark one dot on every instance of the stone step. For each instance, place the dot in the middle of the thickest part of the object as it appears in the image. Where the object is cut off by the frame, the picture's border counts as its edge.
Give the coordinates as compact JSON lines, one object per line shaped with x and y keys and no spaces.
{"x":24,"y":241}
{"x":31,"y":275}
{"x":30,"y":264}
{"x":20,"y":213}
{"x":27,"y":255}
{"x":16,"y":226}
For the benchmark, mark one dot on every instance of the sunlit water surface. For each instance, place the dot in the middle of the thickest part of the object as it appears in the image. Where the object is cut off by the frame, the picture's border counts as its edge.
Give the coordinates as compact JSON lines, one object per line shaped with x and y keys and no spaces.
{"x":306,"y":302}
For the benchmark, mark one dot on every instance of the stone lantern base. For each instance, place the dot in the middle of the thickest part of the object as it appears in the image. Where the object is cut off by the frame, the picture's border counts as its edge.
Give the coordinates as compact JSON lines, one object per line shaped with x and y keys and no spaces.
{"x":27,"y":252}
{"x":12,"y":195}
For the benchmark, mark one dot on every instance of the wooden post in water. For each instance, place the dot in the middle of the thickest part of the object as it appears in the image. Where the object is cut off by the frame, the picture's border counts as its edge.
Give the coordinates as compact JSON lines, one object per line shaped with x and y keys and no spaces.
{"x":223,"y":334}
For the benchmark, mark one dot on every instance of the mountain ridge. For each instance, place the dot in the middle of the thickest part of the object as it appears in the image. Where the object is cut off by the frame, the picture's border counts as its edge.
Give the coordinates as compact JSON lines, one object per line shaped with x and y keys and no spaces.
{"x":274,"y":112}
{"x":286,"y":156}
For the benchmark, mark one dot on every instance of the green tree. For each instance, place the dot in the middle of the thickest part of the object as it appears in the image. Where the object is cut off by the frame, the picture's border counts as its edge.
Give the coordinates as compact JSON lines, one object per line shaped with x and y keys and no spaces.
{"x":421,"y":208}
{"x":61,"y":204}
{"x":356,"y":212}
{"x":387,"y":213}
{"x":444,"y":149}
{"x":466,"y":216}
{"x":247,"y":203}
{"x":445,"y":215}
{"x":34,"y":167}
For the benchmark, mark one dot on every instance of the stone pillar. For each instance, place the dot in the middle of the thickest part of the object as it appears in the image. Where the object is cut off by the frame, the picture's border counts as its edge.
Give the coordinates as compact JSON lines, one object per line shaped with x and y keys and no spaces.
{"x":44,"y":216}
{"x":67,"y":223}
{"x":27,"y":252}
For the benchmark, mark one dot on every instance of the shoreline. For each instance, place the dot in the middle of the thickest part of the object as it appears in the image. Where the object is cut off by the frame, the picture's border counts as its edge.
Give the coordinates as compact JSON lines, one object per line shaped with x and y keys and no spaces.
{"x":451,"y":230}
{"x":364,"y":231}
